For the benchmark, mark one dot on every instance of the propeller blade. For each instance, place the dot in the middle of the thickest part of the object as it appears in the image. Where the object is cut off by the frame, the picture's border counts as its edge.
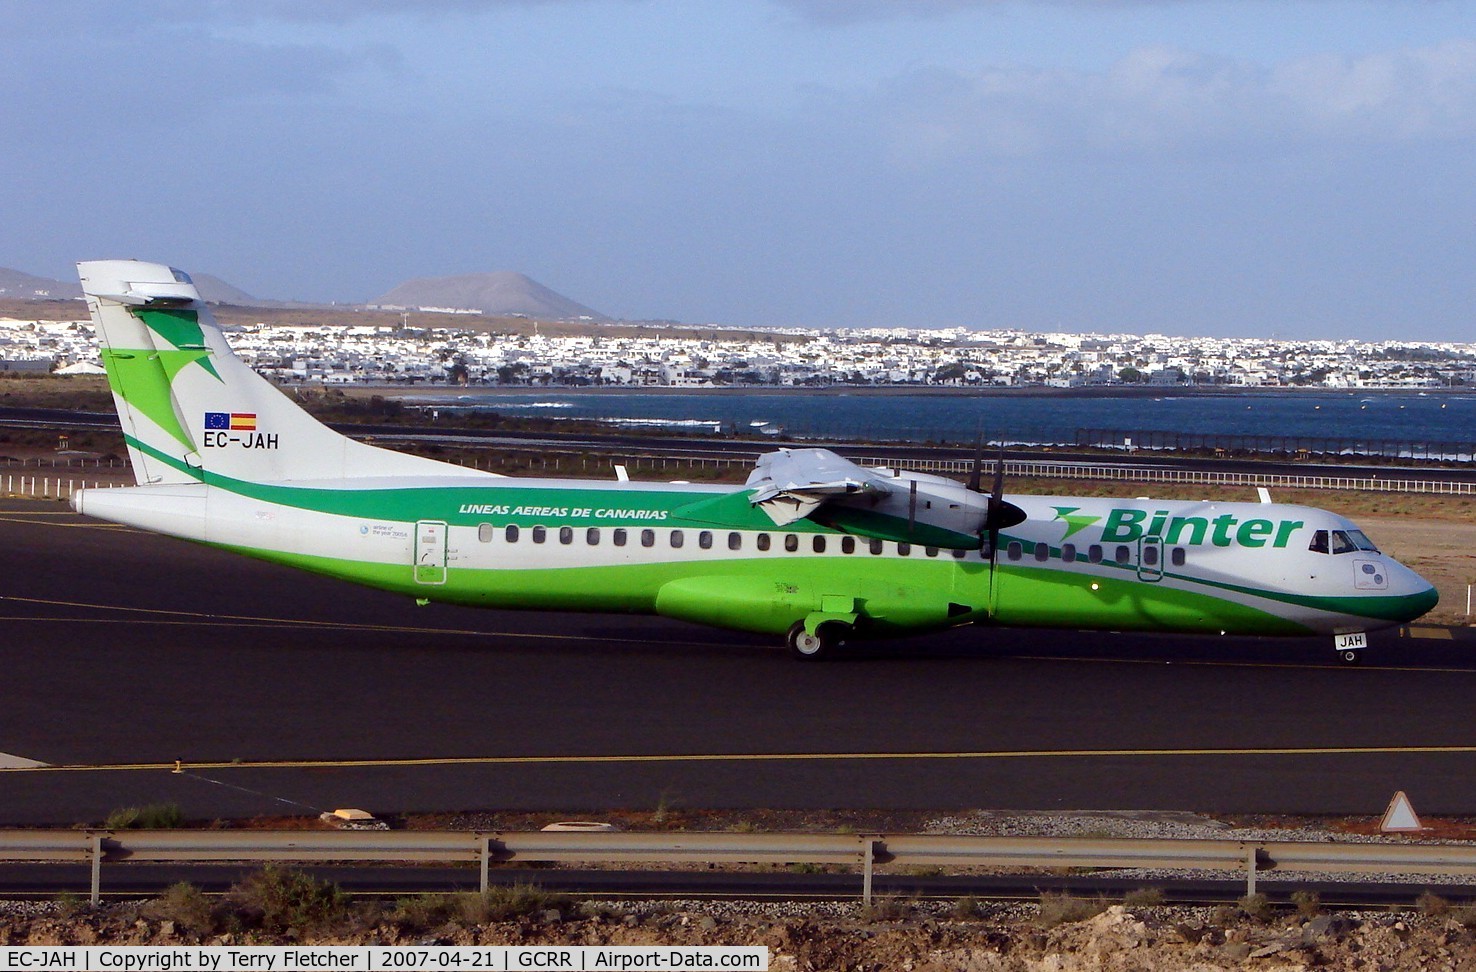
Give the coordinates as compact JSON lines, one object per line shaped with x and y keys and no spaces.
{"x":1000,"y":513}
{"x":974,"y":471}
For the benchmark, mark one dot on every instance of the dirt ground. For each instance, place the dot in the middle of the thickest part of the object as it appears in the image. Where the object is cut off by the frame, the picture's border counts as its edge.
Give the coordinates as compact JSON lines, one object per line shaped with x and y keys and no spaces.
{"x":1442,"y":551}
{"x":1054,"y":936}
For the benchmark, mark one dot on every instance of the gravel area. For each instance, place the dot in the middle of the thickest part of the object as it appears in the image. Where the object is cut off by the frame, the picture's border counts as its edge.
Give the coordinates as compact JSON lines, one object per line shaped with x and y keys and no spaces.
{"x":1182,"y":826}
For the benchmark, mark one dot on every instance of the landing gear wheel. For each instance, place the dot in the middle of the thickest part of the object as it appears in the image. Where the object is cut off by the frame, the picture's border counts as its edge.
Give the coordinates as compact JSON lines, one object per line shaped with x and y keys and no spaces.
{"x":1350,"y":656}
{"x":813,"y":647}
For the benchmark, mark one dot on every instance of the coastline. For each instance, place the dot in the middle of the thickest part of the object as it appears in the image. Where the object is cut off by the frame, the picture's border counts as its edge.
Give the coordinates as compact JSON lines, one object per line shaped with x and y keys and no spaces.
{"x":452,"y":393}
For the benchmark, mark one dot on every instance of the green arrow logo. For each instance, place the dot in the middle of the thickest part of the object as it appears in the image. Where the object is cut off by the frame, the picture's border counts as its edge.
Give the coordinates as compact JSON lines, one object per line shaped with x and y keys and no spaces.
{"x":1075,"y":523}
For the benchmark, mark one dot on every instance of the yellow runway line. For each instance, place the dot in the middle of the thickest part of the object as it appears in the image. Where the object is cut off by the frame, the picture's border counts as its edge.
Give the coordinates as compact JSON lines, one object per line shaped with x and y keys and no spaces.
{"x":163,"y":616}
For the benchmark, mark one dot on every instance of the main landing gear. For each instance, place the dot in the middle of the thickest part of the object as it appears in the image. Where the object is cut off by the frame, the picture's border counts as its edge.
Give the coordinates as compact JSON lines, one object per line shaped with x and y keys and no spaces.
{"x":823,"y":644}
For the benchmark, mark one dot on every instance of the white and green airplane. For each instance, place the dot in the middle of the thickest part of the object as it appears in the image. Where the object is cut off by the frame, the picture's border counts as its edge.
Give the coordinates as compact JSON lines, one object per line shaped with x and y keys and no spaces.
{"x":813,"y":548}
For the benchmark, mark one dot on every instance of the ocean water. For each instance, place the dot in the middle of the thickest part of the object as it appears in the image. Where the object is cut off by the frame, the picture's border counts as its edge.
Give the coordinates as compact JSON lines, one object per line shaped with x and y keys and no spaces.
{"x":1408,"y":418}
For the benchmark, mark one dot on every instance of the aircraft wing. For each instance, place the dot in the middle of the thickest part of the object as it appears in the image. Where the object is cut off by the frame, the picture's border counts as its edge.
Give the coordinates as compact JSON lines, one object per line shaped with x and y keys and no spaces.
{"x":883,"y":504}
{"x":791,"y":484}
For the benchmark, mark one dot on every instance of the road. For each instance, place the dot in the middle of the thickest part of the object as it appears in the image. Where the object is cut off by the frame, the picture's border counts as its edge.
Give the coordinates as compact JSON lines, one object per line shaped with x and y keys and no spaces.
{"x":286,"y":693}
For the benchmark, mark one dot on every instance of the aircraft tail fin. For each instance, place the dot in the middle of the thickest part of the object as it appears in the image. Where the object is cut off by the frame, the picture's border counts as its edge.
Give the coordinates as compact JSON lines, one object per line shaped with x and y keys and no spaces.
{"x":194,"y":412}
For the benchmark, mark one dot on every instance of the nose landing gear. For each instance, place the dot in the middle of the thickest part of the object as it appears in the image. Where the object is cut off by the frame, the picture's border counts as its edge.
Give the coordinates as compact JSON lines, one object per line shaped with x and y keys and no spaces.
{"x":1350,"y":647}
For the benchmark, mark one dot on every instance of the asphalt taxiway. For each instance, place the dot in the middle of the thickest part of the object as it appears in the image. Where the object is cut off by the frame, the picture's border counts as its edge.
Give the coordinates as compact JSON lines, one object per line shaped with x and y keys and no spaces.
{"x":281,"y":693}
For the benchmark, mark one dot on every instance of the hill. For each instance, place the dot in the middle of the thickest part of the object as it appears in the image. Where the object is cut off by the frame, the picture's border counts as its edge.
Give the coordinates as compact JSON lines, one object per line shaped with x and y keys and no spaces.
{"x":16,"y":285}
{"x":216,"y":291}
{"x":500,"y":292}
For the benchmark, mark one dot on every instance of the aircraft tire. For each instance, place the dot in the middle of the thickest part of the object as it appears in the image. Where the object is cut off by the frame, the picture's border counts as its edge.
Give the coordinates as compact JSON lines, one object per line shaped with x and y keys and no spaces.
{"x":813,"y":647}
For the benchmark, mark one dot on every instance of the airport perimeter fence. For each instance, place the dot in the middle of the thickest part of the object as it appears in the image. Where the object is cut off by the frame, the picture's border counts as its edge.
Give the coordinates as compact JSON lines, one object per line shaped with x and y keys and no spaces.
{"x":67,"y":462}
{"x":862,"y":851}
{"x":56,"y":487}
{"x":1291,"y":446}
{"x":47,"y":487}
{"x":1043,"y":469}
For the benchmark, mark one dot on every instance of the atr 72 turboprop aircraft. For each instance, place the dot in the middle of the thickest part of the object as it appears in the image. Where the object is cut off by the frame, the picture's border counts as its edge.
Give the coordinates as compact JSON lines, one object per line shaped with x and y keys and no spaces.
{"x":813,"y":548}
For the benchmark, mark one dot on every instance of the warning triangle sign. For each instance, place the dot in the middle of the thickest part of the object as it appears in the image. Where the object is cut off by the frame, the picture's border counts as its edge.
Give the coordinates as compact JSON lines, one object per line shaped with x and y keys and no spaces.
{"x":1400,"y":817}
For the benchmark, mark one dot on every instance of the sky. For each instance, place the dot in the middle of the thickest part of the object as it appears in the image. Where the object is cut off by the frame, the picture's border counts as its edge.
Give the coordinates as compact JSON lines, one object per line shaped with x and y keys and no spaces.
{"x":1291,"y":168}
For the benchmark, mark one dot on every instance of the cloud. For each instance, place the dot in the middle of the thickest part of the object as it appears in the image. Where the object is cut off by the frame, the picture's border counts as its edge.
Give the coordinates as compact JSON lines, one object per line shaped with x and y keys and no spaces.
{"x":1165,"y":100}
{"x":1423,"y":93}
{"x":858,"y":11}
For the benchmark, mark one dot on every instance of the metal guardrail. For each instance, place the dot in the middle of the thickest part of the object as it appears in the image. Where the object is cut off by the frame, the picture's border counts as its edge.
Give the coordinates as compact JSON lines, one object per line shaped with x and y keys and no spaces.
{"x":863,"y":851}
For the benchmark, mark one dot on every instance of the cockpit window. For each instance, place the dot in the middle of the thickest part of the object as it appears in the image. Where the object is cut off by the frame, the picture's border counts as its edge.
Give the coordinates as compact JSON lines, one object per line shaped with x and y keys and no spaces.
{"x":1340,"y":542}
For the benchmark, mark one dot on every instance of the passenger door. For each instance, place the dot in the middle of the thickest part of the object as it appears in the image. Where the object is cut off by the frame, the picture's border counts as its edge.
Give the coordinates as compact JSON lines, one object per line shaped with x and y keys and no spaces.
{"x":430,"y":552}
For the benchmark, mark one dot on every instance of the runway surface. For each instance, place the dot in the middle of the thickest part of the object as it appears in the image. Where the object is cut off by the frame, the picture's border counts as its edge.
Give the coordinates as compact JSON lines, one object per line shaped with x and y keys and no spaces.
{"x":284,"y":693}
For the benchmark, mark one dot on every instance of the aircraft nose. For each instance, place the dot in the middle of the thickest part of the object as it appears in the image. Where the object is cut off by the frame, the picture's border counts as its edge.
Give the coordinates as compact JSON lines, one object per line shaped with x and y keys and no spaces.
{"x":1420,"y":602}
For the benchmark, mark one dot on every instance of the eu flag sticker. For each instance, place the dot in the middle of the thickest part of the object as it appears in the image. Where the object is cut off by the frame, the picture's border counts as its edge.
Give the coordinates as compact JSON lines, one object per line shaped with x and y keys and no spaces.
{"x":217,"y":420}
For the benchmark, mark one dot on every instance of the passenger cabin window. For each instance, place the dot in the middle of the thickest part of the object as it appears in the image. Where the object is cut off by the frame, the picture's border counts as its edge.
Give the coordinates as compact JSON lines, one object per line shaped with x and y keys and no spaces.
{"x":1042,"y":552}
{"x":511,"y":533}
{"x":704,"y":539}
{"x":791,"y":543}
{"x":592,"y":536}
{"x":818,"y":544}
{"x":904,"y":549}
{"x":566,"y":534}
{"x":1150,"y":556}
{"x":619,"y":536}
{"x":485,"y":531}
{"x":1176,"y":556}
{"x":735,"y":541}
{"x":959,"y":553}
{"x":648,"y":538}
{"x":876,"y":546}
{"x":930,"y":551}
{"x":848,"y":545}
{"x":1094,"y":553}
{"x":540,"y":534}
{"x":1015,"y":550}
{"x":1124,"y":555}
{"x":678,"y":538}
{"x":1068,"y":552}
{"x":762,"y":542}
